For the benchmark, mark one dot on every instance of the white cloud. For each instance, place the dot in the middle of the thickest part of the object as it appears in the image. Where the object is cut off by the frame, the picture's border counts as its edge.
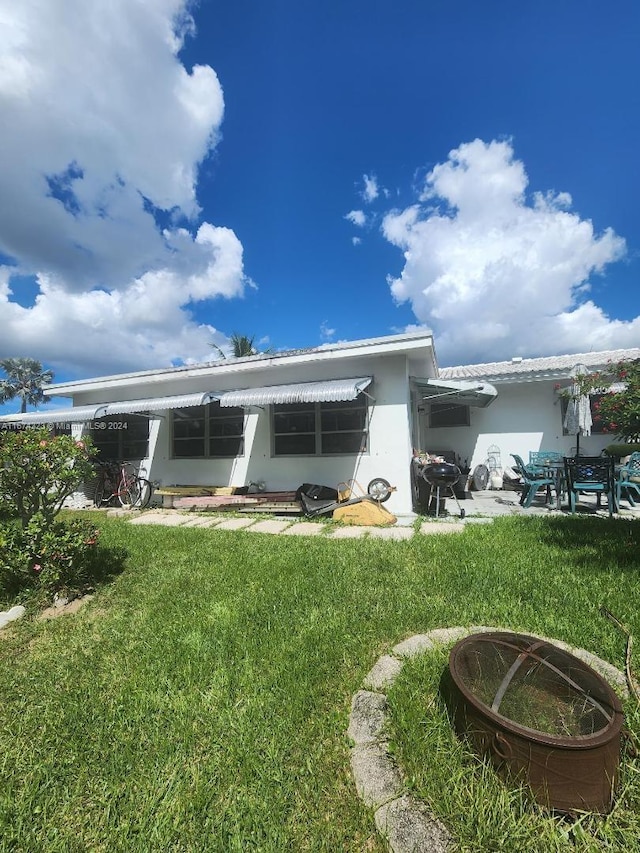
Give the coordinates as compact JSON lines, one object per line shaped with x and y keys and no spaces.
{"x":494,"y":273}
{"x":326,"y":332}
{"x":142,"y":326}
{"x":356,"y":241}
{"x":357,"y":217}
{"x":371,"y":189}
{"x":104,"y":132}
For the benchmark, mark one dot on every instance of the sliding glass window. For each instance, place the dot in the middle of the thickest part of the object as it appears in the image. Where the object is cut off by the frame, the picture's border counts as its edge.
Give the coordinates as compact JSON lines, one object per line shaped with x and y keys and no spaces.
{"x":209,"y":432}
{"x":320,"y":429}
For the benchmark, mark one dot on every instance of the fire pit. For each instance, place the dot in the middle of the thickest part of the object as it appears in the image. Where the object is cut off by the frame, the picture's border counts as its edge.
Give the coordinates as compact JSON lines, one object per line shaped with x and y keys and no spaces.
{"x":543,"y":717}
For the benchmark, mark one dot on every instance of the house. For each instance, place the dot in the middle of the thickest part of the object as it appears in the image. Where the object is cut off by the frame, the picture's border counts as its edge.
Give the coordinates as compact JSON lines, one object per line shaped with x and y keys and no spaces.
{"x":528,"y":413}
{"x":323,"y":415}
{"x":351,"y":410}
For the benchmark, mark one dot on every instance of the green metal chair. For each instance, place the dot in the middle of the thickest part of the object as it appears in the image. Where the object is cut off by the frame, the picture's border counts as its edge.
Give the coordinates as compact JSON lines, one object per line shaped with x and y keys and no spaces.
{"x":590,"y":474}
{"x":533,"y":479}
{"x":628,"y":480}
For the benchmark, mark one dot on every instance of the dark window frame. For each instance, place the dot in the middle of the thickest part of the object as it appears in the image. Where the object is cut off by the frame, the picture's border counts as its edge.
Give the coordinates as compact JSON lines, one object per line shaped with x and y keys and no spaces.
{"x":114,"y":434}
{"x":219,"y":427}
{"x":318,"y":433}
{"x":446,"y":415}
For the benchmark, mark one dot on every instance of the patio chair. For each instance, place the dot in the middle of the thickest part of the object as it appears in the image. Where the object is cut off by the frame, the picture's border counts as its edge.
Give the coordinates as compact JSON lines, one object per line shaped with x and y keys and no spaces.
{"x":533,"y":478}
{"x":628,"y":480}
{"x":590,"y":474}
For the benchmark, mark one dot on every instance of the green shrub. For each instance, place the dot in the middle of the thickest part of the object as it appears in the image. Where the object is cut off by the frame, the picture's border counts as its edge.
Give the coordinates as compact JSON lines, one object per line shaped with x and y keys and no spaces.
{"x":619,"y":451}
{"x":38,"y":472}
{"x":39,"y":555}
{"x":43,"y":558}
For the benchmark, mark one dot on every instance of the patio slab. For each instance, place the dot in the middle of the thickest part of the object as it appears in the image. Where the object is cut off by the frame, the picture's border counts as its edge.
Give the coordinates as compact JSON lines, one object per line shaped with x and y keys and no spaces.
{"x":441,"y":527}
{"x":391,"y":532}
{"x":235,"y":524}
{"x":163,"y":519}
{"x":271,"y":525}
{"x":350,"y":532}
{"x":304,"y":528}
{"x":201,"y":521}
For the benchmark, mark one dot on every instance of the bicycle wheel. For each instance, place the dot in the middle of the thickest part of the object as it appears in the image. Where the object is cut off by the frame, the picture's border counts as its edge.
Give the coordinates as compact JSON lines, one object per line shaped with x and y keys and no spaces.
{"x":98,"y":495}
{"x":129,"y":492}
{"x":145,"y":493}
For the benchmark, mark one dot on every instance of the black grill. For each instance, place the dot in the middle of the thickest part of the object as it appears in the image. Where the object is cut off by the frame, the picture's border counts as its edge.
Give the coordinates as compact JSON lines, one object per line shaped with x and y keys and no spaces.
{"x":441,"y":477}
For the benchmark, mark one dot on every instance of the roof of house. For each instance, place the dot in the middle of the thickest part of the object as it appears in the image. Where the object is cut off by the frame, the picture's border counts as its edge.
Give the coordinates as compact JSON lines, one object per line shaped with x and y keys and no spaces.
{"x":536,"y":369}
{"x":406,"y":342}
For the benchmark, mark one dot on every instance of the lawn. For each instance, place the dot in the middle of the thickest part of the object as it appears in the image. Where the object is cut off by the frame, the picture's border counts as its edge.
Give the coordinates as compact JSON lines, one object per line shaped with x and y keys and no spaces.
{"x":200,"y":701}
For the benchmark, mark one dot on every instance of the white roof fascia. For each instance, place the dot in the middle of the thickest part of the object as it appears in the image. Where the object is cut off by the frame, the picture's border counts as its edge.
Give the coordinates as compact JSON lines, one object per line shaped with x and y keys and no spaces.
{"x":392,"y":344}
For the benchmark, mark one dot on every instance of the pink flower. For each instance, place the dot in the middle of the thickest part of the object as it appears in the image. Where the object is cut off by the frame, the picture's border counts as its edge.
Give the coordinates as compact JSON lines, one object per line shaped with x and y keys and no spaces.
{"x":80,"y":444}
{"x":43,"y":444}
{"x":37,"y":568}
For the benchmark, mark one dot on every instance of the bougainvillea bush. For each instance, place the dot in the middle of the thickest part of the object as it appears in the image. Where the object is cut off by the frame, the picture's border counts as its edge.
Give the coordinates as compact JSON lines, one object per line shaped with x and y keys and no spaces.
{"x":39,"y":553}
{"x":619,"y":410}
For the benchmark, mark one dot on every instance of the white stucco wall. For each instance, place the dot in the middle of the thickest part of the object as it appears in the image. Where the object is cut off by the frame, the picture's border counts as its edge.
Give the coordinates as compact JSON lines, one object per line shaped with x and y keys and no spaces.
{"x":523,"y":417}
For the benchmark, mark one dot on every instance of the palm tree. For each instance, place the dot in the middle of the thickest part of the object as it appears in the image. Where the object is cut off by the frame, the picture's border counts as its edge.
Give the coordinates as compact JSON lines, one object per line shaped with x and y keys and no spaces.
{"x":241,"y":344}
{"x":24,"y":378}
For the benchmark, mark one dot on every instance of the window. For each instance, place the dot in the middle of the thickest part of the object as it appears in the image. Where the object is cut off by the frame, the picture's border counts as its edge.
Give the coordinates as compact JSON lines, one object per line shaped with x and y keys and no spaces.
{"x":596,"y":426}
{"x":320,"y":429}
{"x":448,"y":415}
{"x":210,"y":432}
{"x":119,"y":437}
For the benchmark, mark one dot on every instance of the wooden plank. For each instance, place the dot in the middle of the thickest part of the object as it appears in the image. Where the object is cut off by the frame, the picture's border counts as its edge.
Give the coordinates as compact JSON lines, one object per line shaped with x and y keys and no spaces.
{"x":195,"y":491}
{"x":284,"y":507}
{"x":213,"y":501}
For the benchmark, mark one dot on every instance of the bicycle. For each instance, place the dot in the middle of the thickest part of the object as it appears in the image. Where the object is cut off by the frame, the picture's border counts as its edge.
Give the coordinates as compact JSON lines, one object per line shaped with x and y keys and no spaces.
{"x":121,"y":480}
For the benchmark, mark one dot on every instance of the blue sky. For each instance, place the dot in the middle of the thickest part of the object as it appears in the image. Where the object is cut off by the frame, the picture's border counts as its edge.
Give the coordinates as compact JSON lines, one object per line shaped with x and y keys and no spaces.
{"x":311,"y":172}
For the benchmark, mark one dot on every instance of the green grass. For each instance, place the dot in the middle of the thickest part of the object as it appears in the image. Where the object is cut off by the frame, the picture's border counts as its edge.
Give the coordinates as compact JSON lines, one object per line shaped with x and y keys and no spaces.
{"x":200,"y":702}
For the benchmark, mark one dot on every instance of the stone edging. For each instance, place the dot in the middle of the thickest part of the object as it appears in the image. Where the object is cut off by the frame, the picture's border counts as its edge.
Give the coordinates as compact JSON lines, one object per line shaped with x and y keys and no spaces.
{"x":401,"y":818}
{"x":11,"y":615}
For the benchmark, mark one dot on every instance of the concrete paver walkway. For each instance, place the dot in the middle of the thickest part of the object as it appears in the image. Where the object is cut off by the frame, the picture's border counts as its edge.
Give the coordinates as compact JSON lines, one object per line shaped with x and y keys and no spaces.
{"x":480,"y":508}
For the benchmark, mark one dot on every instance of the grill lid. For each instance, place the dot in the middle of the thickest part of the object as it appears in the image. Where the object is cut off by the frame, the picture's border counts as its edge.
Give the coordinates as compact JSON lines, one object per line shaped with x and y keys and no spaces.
{"x":441,"y":472}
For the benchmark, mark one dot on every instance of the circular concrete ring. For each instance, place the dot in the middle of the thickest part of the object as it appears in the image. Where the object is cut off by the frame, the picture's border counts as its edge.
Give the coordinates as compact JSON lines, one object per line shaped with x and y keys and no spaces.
{"x":402,"y":819}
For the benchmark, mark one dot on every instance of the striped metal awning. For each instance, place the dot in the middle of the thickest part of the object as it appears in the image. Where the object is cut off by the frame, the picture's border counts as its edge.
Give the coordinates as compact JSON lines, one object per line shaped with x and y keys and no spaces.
{"x":54,"y":416}
{"x":463,"y":393}
{"x":154,"y":404}
{"x":328,"y":391}
{"x":82,"y":414}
